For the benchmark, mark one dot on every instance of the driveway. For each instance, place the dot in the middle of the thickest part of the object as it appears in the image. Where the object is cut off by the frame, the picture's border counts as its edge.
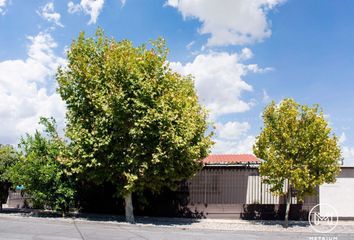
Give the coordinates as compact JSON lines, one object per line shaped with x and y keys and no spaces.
{"x":16,"y":227}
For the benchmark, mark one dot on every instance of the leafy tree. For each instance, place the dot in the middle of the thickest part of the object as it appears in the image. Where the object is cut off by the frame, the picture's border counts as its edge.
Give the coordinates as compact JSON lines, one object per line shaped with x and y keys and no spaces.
{"x":8,"y":157}
{"x":41,"y":169}
{"x":298,"y":149}
{"x":131,"y":119}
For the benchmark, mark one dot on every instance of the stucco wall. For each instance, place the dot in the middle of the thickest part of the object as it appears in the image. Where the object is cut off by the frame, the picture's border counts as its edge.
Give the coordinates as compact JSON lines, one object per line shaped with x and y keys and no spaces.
{"x":340,"y":195}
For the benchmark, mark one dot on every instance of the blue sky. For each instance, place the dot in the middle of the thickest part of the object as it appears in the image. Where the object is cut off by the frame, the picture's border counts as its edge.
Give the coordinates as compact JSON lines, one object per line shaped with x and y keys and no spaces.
{"x":242,"y":53}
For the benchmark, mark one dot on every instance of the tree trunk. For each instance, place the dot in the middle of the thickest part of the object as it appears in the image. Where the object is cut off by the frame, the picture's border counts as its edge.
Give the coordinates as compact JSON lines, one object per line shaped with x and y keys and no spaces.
{"x":287,"y":210}
{"x":129,"y":215}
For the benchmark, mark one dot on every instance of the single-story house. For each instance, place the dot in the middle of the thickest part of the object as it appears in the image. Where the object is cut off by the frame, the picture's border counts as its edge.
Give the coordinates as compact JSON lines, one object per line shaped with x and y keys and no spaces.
{"x":229,"y":186}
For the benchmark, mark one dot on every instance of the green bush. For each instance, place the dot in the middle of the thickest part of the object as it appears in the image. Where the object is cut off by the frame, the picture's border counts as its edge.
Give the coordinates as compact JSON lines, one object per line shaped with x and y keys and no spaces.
{"x":8,"y":158}
{"x":42,"y":171}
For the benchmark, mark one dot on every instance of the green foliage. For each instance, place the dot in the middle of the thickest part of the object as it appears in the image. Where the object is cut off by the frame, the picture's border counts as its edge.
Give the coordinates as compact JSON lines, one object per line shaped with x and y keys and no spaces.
{"x":297,"y":145}
{"x":41,"y":171}
{"x":8,"y":158}
{"x":131,"y":119}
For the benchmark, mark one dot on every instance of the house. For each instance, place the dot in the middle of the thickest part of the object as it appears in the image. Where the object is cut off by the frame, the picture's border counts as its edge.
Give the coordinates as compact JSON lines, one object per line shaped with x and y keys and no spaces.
{"x":229,"y":186}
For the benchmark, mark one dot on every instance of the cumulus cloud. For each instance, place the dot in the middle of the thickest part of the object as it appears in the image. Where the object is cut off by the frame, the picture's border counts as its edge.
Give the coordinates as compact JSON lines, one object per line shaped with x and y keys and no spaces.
{"x":256,"y":69}
{"x":241,"y":146}
{"x":232,"y":130}
{"x":229,"y":22}
{"x":47,"y":12}
{"x":233,"y":137}
{"x":246,"y":54}
{"x":342,"y":138}
{"x":27,"y":90}
{"x":122,"y":2}
{"x":2,"y":7}
{"x":347,"y":152}
{"x":265,"y":97}
{"x":348,"y":155}
{"x":219,"y":80}
{"x":89,"y":7}
{"x":74,"y":8}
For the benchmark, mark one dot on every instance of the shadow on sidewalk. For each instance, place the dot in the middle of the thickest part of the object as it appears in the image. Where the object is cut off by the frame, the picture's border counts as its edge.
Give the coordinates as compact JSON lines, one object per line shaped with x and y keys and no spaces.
{"x":161,"y":221}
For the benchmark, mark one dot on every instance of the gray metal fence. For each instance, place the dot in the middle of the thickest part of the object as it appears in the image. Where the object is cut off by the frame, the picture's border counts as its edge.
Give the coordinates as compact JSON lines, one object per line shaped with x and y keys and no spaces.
{"x":234,"y":185}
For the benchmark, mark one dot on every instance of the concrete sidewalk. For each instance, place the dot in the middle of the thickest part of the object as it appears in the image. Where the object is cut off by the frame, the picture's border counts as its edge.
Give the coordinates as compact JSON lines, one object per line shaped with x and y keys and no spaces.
{"x":181,"y":223}
{"x":29,"y":228}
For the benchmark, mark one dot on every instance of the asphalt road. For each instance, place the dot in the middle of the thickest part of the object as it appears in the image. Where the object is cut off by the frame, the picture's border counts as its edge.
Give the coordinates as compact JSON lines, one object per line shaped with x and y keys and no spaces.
{"x":57,"y":229}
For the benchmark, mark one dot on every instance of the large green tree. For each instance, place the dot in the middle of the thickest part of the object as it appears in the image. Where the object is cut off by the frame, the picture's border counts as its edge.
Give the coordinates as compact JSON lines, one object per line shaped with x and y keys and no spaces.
{"x":42,"y":171}
{"x":8,"y":158}
{"x":132,"y":121}
{"x":298,"y":150}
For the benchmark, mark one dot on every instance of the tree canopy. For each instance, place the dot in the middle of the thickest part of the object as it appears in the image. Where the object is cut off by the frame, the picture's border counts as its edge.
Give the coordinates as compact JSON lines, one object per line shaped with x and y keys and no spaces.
{"x":131,"y":119}
{"x":8,"y":158}
{"x":41,"y":171}
{"x":297,"y":147}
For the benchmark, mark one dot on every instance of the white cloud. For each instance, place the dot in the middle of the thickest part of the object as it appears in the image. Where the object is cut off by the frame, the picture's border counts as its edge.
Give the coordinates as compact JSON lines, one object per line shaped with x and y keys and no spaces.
{"x":27,"y":90}
{"x":347,"y":152}
{"x":47,"y":12}
{"x":265,"y":97}
{"x":256,"y":69}
{"x":2,"y":7}
{"x":122,"y":2}
{"x":218,"y":80}
{"x":246,"y":54}
{"x":348,"y":155}
{"x":229,"y":22}
{"x":232,"y":130}
{"x":73,"y":8}
{"x":342,"y":138}
{"x":89,"y":7}
{"x":233,"y":137}
{"x":240,"y":146}
{"x":190,"y":45}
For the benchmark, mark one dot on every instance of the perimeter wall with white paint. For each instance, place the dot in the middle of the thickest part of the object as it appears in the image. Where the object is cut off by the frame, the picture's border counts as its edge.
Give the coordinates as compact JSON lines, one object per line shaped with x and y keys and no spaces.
{"x":340,"y":195}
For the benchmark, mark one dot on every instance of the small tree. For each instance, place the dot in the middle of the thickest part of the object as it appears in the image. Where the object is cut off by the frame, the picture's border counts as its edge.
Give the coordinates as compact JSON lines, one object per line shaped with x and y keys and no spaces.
{"x":8,"y":158}
{"x":41,"y":170}
{"x":131,"y":119}
{"x":298,"y":148}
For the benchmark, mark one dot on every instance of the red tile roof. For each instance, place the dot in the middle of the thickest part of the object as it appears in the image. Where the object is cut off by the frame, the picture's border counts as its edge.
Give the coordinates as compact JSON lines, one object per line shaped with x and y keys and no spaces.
{"x":224,"y":159}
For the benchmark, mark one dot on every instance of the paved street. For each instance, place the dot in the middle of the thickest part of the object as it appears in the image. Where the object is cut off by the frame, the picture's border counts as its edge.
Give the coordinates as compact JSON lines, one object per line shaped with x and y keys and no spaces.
{"x":68,"y":229}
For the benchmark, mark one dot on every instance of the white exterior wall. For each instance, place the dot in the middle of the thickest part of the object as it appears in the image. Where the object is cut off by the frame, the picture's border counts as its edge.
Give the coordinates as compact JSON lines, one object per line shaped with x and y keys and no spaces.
{"x":340,"y":195}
